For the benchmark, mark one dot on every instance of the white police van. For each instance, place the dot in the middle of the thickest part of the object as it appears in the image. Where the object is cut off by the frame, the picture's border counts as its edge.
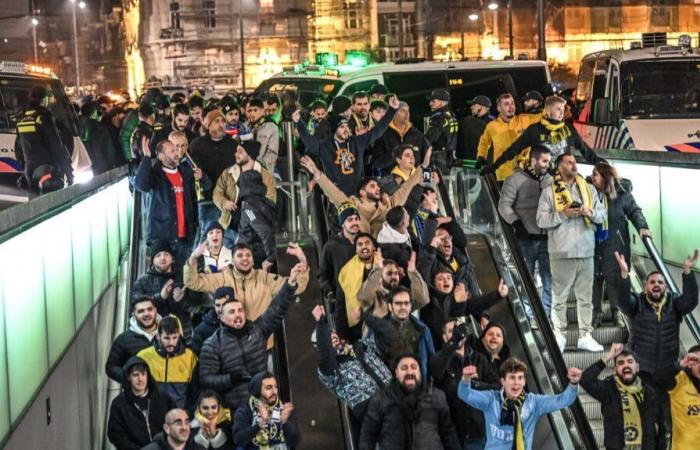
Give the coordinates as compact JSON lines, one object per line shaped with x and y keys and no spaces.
{"x":412,"y":80}
{"x":645,"y":98}
{"x":16,"y":80}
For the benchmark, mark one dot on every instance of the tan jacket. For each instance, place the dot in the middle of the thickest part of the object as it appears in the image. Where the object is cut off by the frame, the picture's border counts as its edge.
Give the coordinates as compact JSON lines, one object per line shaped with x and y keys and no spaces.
{"x":373,"y":298}
{"x":226,"y":189}
{"x":255,"y":289}
{"x":372,"y":214}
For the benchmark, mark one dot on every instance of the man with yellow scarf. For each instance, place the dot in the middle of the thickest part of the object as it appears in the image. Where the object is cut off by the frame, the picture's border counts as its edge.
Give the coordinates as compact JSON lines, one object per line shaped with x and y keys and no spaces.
{"x":631,"y":408}
{"x":552,"y":132}
{"x":569,"y":210}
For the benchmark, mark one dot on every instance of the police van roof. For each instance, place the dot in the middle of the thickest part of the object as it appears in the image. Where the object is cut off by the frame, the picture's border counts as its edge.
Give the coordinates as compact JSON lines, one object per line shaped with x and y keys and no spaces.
{"x":348,"y":73}
{"x":20,"y":68}
{"x":662,"y":52}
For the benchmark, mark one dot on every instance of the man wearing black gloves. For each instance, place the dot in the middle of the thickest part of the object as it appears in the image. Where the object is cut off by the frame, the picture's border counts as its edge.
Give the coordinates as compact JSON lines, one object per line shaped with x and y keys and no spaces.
{"x":446,"y":369}
{"x":442,"y":130}
{"x":631,"y":409}
{"x":238,"y":350}
{"x":342,"y":155}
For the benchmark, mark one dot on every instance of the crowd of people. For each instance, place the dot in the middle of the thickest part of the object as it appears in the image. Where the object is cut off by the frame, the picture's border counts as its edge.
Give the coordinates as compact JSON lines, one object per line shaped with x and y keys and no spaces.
{"x":393,"y":330}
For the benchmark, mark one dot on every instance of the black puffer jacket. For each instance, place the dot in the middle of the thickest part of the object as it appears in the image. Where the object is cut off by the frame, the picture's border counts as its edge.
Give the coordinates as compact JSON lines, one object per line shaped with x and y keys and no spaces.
{"x":125,"y":346}
{"x":127,"y":428}
{"x":230,"y":358}
{"x":208,"y":326}
{"x":383,"y":150}
{"x":383,"y":426}
{"x":620,"y":210}
{"x":606,"y":392}
{"x":213,"y":157}
{"x":336,"y":253}
{"x":162,"y":214}
{"x":654,"y":341}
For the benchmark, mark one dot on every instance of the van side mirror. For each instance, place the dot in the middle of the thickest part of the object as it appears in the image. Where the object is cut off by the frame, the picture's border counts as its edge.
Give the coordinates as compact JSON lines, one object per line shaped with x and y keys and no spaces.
{"x":601,"y":112}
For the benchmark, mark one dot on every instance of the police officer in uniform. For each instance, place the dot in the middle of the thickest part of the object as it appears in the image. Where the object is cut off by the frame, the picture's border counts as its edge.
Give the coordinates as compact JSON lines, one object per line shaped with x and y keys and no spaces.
{"x":442,"y":130}
{"x":39,"y":144}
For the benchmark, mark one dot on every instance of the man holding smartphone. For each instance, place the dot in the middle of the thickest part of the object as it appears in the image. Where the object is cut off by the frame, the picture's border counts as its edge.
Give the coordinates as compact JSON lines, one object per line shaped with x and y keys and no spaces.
{"x":569,"y":210}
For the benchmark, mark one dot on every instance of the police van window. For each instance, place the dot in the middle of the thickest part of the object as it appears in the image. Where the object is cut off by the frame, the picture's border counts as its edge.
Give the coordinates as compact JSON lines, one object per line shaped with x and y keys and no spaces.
{"x":15,"y":95}
{"x":584,"y":91}
{"x":615,"y":87}
{"x":414,"y":88}
{"x":600,"y":79}
{"x":365,"y":85}
{"x":461,"y":96}
{"x":306,"y":90}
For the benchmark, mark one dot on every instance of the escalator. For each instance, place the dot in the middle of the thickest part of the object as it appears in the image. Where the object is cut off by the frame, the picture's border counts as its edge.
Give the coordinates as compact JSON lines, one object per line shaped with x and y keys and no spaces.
{"x":477,"y":198}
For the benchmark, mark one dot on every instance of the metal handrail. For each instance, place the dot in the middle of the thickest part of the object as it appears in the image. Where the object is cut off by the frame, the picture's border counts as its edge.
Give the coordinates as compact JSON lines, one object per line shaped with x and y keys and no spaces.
{"x":584,"y":428}
{"x":661,"y":267}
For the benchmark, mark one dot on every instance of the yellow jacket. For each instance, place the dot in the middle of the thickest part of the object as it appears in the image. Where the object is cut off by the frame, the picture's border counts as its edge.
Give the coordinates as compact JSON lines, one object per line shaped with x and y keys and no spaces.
{"x":501,"y":135}
{"x":685,"y":412}
{"x":172,"y":372}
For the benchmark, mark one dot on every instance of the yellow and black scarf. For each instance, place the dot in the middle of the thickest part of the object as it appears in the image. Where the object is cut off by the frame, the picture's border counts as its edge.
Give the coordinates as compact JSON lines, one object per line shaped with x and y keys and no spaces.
{"x":562,"y":195}
{"x":658,"y":307}
{"x":632,"y":397}
{"x":510,"y":415}
{"x":224,"y":415}
{"x":558,"y":131}
{"x":350,"y":279}
{"x":396,"y":171}
{"x":272,"y":434}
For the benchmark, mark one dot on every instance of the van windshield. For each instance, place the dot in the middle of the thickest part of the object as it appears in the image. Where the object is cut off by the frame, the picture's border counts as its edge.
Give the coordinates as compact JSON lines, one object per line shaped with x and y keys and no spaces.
{"x":15,"y":98}
{"x":661,"y":88}
{"x":305,"y":90}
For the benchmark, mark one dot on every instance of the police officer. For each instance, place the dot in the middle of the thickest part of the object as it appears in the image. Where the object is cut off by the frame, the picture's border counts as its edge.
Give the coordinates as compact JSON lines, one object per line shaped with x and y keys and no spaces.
{"x":39,"y":144}
{"x":533,"y":102}
{"x":442,"y":130}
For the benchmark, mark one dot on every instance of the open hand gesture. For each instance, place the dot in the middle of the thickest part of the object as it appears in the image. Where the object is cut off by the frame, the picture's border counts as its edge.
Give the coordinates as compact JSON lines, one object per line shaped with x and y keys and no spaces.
{"x":690,"y":261}
{"x":167,"y":289}
{"x":310,"y":166}
{"x":460,"y":293}
{"x":295,"y":249}
{"x":624,"y":269}
{"x":502,"y":289}
{"x":426,"y":158}
{"x":615,"y":349}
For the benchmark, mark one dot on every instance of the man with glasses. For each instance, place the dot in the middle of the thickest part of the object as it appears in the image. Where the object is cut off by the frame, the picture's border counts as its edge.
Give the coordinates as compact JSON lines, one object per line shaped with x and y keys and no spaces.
{"x":176,"y":433}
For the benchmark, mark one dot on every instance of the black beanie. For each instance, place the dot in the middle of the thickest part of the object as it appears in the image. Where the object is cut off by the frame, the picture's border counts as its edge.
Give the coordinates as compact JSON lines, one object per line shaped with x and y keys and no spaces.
{"x":336,"y":121}
{"x":346,"y":210}
{"x":227,"y":105}
{"x":340,"y":104}
{"x":160,"y":246}
{"x":224,"y":291}
{"x":213,"y":225}
{"x":252,"y":148}
{"x":493,"y":324}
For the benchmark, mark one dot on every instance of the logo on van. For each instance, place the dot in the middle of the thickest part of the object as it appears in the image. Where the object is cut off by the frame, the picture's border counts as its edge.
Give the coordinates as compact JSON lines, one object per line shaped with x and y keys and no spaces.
{"x":696,"y":134}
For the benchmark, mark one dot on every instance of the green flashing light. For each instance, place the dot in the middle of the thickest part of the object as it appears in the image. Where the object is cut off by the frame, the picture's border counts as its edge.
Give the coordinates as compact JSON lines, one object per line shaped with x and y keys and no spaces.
{"x":327,"y":59}
{"x":357,"y":58}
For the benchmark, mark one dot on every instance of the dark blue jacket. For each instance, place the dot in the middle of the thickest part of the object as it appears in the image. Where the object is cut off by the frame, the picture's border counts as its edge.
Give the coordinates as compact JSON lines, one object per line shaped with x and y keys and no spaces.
{"x":162,"y":213}
{"x":208,"y":326}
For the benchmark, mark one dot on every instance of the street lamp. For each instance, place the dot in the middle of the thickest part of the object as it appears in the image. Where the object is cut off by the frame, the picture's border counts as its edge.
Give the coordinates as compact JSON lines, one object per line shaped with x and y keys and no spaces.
{"x":473,"y":17}
{"x":492,"y":6}
{"x":35,"y":22}
{"x":81,"y":5}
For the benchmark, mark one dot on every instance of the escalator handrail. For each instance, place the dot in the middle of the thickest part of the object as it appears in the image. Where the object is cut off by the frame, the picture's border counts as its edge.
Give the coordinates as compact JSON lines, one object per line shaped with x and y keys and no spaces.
{"x":134,"y":254}
{"x":662,"y":268}
{"x":585,"y":431}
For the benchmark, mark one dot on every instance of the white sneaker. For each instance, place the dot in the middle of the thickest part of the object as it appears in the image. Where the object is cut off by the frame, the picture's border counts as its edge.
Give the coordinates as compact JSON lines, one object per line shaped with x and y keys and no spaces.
{"x":561,"y":341}
{"x":586,"y":342}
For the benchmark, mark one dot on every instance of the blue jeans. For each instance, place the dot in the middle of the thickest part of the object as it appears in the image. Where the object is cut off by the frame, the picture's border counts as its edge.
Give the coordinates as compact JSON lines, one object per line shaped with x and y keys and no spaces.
{"x":535,"y":254}
{"x":208,"y":212}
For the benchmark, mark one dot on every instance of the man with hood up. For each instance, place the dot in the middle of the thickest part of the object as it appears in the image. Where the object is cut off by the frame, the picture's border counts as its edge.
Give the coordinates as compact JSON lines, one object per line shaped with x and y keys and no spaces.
{"x":138,"y":412}
{"x":143,"y":325}
{"x":172,"y":364}
{"x":264,"y":422}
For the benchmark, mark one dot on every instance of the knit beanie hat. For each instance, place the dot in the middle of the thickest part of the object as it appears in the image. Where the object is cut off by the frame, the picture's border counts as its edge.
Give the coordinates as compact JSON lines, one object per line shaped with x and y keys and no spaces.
{"x":252,"y":148}
{"x":213,"y":225}
{"x":211,"y":115}
{"x":493,"y":324}
{"x":224,"y":291}
{"x":336,"y":121}
{"x":227,"y":105}
{"x":346,"y":210}
{"x":160,"y":246}
{"x":340,"y":104}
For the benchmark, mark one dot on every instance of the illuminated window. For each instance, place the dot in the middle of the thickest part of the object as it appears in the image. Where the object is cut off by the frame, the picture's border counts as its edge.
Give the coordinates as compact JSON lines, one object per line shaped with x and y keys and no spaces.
{"x":266,"y":4}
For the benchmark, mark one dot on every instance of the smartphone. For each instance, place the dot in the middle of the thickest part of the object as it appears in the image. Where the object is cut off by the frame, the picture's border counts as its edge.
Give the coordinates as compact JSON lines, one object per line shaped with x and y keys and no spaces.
{"x":426,"y":176}
{"x":575,"y":205}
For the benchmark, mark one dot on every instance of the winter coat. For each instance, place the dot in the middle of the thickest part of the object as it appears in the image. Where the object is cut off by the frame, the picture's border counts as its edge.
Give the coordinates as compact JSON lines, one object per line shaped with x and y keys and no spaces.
{"x":227,"y":189}
{"x":98,"y":144}
{"x":383,"y":426}
{"x":354,"y":378}
{"x":254,"y":289}
{"x":160,"y":442}
{"x":337,"y":251}
{"x":606,"y":392}
{"x":222,"y":440}
{"x":126,"y":346}
{"x":230,"y":358}
{"x":151,"y":283}
{"x":442,"y":135}
{"x":500,"y":437}
{"x":538,"y":134}
{"x":383,"y":150}
{"x":244,"y":431}
{"x":268,"y":135}
{"x":495,"y":364}
{"x":499,"y":135}
{"x":520,"y":197}
{"x":209,"y":324}
{"x":175,"y":374}
{"x":372,"y":214}
{"x":343,"y":173}
{"x":394,"y":245}
{"x":431,"y":260}
{"x":142,"y":130}
{"x":213,"y":157}
{"x":621,"y":209}
{"x":446,"y":369}
{"x":129,"y":124}
{"x":426,"y":348}
{"x":162,"y":213}
{"x":374,"y":297}
{"x":656,"y":342}
{"x":569,"y":237}
{"x":130,"y":428}
{"x":164,"y":132}
{"x":470,"y":130}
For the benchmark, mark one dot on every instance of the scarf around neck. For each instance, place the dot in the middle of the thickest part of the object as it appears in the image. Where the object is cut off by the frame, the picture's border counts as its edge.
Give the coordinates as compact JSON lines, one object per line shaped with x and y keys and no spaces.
{"x":271,"y":434}
{"x":350,"y":279}
{"x":510,"y":415}
{"x":224,"y":415}
{"x":558,"y":131}
{"x":631,"y":396}
{"x":658,"y":307}
{"x":563,"y":197}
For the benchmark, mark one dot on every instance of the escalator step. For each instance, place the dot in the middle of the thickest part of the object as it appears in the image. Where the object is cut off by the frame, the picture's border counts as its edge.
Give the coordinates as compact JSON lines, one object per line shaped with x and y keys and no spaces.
{"x":597,"y":427}
{"x":590,"y":406}
{"x":571,"y":313}
{"x":603,"y":335}
{"x":580,"y":358}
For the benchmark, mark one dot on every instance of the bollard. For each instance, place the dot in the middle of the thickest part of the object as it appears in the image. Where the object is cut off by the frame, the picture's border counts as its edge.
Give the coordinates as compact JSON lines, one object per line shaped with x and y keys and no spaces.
{"x":289,"y":139}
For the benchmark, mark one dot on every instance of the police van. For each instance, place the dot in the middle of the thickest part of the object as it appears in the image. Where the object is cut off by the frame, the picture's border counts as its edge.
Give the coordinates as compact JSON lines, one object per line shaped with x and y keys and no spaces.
{"x":16,"y":80}
{"x":412,"y":80}
{"x":645,"y":98}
